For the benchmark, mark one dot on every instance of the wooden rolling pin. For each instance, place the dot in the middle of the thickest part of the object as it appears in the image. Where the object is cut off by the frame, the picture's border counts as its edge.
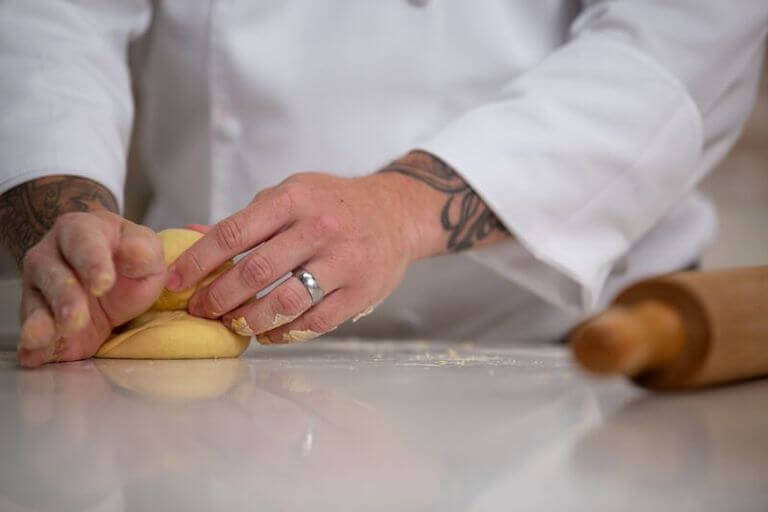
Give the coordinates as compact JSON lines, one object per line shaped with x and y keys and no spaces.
{"x":683,"y":330}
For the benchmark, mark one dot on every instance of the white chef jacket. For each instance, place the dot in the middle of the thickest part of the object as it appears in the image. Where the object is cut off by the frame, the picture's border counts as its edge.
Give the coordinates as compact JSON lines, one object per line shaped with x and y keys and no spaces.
{"x":585,"y":126}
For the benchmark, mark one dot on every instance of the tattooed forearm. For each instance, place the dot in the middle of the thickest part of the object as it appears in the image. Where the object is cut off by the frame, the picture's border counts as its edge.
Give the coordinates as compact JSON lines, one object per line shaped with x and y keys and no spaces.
{"x":30,"y":209}
{"x":464,"y":215}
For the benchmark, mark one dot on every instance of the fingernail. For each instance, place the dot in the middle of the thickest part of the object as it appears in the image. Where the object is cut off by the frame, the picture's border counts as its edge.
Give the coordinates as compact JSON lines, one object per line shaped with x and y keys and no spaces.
{"x":174,"y":280}
{"x":101,"y":284}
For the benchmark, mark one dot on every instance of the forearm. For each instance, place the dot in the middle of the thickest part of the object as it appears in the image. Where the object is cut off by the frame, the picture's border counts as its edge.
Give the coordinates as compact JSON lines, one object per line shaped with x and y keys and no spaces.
{"x":449,"y":214}
{"x":29,"y":210}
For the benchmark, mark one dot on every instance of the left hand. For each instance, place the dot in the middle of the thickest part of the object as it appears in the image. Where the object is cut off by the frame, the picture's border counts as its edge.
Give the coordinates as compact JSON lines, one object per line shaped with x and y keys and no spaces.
{"x":355,"y":235}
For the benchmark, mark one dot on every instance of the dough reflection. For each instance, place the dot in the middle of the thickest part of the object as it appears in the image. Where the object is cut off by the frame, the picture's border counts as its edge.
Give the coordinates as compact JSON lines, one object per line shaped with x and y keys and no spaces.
{"x":174,"y":380}
{"x":209,"y":435}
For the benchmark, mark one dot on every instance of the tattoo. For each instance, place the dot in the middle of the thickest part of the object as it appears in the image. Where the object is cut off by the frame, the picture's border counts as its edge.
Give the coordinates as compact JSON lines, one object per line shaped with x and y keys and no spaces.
{"x":29,"y":210}
{"x":464,"y":216}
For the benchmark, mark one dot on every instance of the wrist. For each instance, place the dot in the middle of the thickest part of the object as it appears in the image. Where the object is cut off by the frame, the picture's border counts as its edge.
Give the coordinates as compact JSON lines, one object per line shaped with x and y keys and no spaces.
{"x":30,"y":209}
{"x":447,"y":214}
{"x":414,"y":211}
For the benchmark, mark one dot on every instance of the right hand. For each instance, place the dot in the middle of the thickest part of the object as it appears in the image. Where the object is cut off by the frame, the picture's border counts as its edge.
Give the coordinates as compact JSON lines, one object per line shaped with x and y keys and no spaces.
{"x":90,"y":273}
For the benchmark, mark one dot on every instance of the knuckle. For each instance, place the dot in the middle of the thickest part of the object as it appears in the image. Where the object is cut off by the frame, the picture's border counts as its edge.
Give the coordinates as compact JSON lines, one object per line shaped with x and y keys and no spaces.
{"x":326,"y":225}
{"x":286,"y":197}
{"x":48,"y":279}
{"x":66,"y":219}
{"x":195,"y":263}
{"x":32,"y":258}
{"x":261,"y":194}
{"x":147,"y":232}
{"x":228,"y":234}
{"x":256,"y":271}
{"x":67,"y":296}
{"x":70,"y":220}
{"x":320,"y":323}
{"x":291,"y":301}
{"x":107,"y":216}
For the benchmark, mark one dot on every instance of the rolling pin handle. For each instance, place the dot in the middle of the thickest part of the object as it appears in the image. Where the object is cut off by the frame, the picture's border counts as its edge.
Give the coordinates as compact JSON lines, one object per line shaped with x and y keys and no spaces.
{"x":630,"y":340}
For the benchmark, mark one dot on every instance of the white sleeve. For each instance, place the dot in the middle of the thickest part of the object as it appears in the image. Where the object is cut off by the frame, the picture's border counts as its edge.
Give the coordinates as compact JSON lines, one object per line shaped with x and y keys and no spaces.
{"x":65,"y":92}
{"x":581,"y":155}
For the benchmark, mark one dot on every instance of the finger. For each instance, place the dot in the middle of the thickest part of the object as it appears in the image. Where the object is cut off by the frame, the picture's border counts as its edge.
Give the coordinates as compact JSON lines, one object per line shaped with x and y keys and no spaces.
{"x":38,"y":357}
{"x":334,"y":310}
{"x":38,"y":329}
{"x":263,"y":266}
{"x":84,"y":244}
{"x":284,"y":304}
{"x":57,"y":283}
{"x":202,"y":228}
{"x":267,"y":214}
{"x":139,"y":253}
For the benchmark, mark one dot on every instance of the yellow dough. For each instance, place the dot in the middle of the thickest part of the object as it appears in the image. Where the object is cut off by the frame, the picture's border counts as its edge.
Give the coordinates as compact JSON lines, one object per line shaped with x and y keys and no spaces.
{"x":175,"y":242}
{"x":166,"y":331}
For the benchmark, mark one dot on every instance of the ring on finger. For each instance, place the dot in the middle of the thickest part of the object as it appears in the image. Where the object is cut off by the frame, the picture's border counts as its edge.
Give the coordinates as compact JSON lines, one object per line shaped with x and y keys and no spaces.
{"x":306,"y":278}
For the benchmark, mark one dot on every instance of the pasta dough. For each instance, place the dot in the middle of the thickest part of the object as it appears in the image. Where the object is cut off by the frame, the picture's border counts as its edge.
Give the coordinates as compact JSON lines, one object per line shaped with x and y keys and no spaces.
{"x":175,"y":242}
{"x":167,"y":331}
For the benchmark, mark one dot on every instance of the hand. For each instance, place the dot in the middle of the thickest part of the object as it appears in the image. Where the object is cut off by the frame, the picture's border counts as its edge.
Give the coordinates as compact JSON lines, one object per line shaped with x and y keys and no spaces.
{"x":90,"y":273}
{"x":354,"y":234}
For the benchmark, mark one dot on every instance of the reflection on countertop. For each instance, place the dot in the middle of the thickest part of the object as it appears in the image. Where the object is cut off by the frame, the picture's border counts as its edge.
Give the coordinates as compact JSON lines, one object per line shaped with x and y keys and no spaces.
{"x":352,"y":425}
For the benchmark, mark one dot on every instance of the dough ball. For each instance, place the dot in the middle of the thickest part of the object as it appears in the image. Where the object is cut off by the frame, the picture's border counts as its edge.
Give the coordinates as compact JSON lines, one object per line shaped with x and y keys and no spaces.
{"x":176,"y":241}
{"x":173,"y":335}
{"x":167,"y":331}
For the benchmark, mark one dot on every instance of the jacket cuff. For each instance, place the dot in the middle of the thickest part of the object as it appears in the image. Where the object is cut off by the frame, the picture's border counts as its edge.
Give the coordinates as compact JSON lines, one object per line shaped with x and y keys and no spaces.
{"x":578,"y":159}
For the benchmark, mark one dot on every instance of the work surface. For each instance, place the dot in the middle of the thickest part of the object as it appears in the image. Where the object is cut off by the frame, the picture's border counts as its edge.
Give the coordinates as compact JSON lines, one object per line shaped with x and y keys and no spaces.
{"x":346,"y":425}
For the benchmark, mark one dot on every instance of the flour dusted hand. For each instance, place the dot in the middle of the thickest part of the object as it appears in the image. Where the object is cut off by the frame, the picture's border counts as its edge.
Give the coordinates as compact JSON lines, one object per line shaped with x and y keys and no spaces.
{"x":90,"y":272}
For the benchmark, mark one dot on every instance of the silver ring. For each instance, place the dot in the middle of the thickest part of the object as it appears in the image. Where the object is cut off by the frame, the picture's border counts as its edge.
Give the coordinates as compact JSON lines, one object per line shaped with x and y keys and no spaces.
{"x":306,"y":278}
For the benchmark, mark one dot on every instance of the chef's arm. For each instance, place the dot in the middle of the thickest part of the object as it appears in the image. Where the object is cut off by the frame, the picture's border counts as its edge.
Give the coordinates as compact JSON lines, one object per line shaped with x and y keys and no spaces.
{"x":581,"y":155}
{"x":66,"y":108}
{"x":29,"y":210}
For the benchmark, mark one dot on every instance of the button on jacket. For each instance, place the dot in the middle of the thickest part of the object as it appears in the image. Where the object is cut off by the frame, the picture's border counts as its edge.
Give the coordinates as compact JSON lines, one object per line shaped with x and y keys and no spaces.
{"x":585,"y":126}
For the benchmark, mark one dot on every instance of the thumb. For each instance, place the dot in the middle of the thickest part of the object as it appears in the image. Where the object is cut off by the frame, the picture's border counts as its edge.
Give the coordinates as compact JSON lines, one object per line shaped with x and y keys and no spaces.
{"x":139,"y":252}
{"x":140,"y":266}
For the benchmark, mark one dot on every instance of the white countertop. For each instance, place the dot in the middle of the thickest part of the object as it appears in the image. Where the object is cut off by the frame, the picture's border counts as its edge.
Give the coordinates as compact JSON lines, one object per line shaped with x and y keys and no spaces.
{"x":345,"y":425}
